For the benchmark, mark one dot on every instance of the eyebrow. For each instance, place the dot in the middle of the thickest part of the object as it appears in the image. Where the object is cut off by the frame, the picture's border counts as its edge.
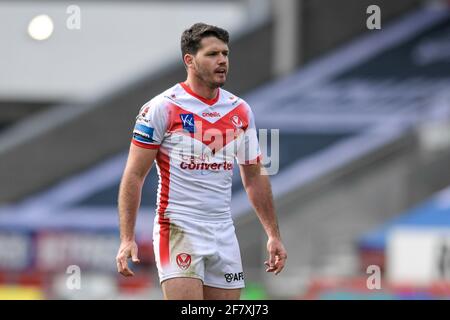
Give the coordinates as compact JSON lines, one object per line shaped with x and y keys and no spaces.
{"x":215,"y":51}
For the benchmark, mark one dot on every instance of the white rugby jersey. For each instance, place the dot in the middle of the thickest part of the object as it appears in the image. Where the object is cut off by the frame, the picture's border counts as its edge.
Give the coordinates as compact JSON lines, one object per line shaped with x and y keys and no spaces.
{"x":198,"y":141}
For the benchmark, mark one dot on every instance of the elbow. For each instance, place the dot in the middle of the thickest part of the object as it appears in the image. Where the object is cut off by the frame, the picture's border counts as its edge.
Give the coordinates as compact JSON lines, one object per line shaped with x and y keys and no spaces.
{"x":133,"y":177}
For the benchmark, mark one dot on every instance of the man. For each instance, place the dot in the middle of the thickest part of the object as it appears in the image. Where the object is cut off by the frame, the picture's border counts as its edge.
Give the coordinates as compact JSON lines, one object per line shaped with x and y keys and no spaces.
{"x":194,"y":131}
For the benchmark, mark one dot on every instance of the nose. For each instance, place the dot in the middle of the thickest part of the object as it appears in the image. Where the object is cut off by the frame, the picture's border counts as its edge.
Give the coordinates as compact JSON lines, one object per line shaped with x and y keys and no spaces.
{"x":223,"y":59}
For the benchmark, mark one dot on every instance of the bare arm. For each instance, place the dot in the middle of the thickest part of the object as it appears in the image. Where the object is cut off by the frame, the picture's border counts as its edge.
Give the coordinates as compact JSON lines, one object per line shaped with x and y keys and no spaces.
{"x":259,"y":193}
{"x":138,"y":165}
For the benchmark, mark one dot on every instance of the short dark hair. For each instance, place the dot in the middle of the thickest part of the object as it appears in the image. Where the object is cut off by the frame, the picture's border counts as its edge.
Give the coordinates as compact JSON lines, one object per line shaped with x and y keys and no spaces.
{"x":191,"y":38}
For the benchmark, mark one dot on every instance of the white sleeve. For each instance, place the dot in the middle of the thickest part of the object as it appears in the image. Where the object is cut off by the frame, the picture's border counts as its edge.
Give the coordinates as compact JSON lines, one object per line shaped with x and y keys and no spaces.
{"x":151,"y":125}
{"x":248,"y":149}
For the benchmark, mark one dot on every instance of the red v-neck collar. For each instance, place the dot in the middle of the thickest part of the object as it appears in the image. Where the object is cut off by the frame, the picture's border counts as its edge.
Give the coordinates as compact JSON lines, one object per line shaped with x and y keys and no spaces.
{"x":209,"y":102}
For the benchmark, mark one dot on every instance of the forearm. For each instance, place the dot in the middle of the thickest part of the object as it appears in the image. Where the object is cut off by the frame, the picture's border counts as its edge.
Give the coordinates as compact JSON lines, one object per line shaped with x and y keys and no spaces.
{"x":260,"y":195}
{"x":129,"y":200}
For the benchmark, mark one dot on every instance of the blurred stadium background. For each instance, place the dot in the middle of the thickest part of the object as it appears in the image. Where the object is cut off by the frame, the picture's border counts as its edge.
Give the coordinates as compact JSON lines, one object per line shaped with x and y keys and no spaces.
{"x":364,"y":141}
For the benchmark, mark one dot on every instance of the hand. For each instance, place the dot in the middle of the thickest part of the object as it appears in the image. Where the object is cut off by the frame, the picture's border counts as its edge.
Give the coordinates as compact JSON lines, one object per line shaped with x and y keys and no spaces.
{"x":127,"y":249}
{"x":277,"y":256}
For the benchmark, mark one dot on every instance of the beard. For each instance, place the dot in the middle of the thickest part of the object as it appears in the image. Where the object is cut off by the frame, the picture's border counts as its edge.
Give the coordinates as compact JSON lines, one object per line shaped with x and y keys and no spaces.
{"x":207,"y":78}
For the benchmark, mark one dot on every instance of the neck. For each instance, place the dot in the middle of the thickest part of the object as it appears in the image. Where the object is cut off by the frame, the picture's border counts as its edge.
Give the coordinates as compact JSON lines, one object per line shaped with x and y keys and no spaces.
{"x":201,"y":88}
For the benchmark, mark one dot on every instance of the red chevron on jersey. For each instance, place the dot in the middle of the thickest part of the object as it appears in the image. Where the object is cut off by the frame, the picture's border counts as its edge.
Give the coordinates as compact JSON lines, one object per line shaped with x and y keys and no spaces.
{"x":214,"y":135}
{"x":199,"y":140}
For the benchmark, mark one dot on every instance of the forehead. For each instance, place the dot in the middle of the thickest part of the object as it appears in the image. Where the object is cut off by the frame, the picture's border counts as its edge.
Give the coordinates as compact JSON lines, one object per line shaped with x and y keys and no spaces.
{"x":212,"y":44}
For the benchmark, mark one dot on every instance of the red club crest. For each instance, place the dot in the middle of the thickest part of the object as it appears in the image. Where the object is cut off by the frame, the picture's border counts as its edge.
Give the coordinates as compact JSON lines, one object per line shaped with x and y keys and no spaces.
{"x":236,"y":121}
{"x":184,"y":260}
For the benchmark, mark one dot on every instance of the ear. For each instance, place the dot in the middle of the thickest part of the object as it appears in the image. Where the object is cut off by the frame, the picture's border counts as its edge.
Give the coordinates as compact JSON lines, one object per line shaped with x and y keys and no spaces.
{"x":188,"y":59}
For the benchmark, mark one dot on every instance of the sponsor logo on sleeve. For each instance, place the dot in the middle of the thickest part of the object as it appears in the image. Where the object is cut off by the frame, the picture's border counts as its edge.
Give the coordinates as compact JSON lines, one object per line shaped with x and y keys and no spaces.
{"x":144,"y":113}
{"x":234,"y":100}
{"x":143,"y":133}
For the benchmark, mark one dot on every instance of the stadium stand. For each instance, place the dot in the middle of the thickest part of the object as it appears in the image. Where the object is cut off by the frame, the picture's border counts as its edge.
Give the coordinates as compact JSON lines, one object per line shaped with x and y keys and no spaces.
{"x":361,"y":139}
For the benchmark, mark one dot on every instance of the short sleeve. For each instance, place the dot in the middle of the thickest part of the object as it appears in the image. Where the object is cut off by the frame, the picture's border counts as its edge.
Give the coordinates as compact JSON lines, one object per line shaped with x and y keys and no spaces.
{"x":248,"y":149}
{"x":150,"y":126}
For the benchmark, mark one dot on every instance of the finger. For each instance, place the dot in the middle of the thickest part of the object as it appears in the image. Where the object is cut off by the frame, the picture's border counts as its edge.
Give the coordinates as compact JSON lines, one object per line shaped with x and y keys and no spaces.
{"x":279,"y":264}
{"x":279,"y":268}
{"x":271,"y":258}
{"x":134,"y":255}
{"x":124,"y":264}
{"x":119,"y":265}
{"x":269,"y":268}
{"x":126,"y":271}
